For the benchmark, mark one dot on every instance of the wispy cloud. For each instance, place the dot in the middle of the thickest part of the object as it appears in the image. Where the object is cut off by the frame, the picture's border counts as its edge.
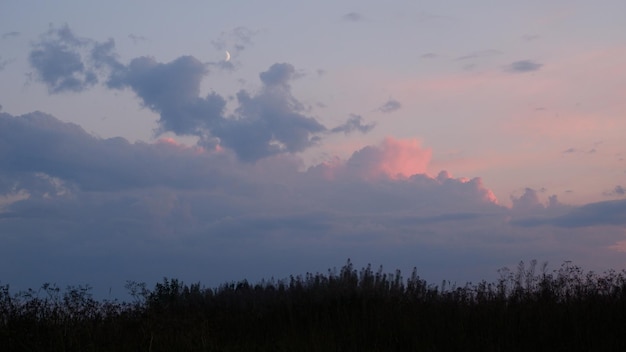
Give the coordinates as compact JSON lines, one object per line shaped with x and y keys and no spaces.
{"x":352,"y":17}
{"x":530,"y":37}
{"x":3,"y":63}
{"x":617,"y":191}
{"x":523,"y":66}
{"x":479,"y":54}
{"x":137,"y":38}
{"x":12,"y":34}
{"x":390,"y":106}
{"x":235,"y":40}
{"x":354,"y":123}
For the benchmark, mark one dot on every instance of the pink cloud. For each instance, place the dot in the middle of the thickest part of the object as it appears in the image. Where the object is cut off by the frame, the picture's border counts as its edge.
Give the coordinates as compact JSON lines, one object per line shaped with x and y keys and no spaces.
{"x":401,"y":160}
{"x":393,"y":159}
{"x":173,"y":143}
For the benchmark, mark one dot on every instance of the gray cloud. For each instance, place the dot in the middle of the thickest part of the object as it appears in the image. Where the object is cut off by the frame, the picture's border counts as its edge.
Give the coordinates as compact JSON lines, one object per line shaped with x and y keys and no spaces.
{"x":530,"y":37}
{"x":103,"y":56}
{"x":39,"y":144}
{"x":352,"y":17}
{"x":479,"y":54}
{"x":235,"y":41}
{"x":3,"y":63}
{"x":59,"y":63}
{"x":429,"y":56}
{"x":269,"y":122}
{"x":354,"y":123}
{"x":390,"y":106}
{"x":527,"y":202}
{"x":523,"y":66}
{"x":617,"y":191}
{"x":12,"y":34}
{"x":609,"y":213}
{"x":172,"y":90}
{"x":137,"y":38}
{"x":278,"y":75}
{"x":576,"y":151}
{"x":140,"y":211}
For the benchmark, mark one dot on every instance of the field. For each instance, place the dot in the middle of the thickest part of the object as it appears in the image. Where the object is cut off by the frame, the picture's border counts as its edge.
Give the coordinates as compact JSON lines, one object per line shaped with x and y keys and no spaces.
{"x":527,"y":309}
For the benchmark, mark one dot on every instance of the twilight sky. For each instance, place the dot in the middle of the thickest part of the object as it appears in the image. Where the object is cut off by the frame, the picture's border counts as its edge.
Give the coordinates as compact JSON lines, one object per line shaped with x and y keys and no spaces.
{"x":458,"y":139}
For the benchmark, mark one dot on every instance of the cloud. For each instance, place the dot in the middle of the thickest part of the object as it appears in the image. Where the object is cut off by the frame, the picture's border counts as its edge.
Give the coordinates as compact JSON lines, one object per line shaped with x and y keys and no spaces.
{"x":393,"y":159}
{"x":278,"y":74}
{"x":530,"y":37}
{"x":172,"y":90}
{"x":271,"y":121}
{"x":137,"y":38}
{"x":354,"y":123}
{"x":266,"y":123}
{"x":60,"y":62}
{"x":390,"y":106}
{"x":608,"y":213}
{"x":527,"y":202}
{"x":3,"y":63}
{"x":575,"y":151}
{"x":40,"y":145}
{"x":53,"y":162}
{"x":185,"y":209}
{"x":352,"y":17}
{"x":103,"y":56}
{"x":9,"y":35}
{"x":617,"y":191}
{"x":523,"y":66}
{"x":235,"y":40}
{"x":479,"y":54}
{"x":195,"y":212}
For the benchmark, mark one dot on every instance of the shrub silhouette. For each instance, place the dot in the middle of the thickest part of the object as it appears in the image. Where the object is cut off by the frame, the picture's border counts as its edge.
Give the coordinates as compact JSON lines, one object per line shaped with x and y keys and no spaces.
{"x":341,"y":310}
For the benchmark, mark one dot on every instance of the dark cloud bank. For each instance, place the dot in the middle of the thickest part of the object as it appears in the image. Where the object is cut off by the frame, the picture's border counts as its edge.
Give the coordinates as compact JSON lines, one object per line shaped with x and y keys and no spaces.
{"x":75,"y":208}
{"x":72,"y":205}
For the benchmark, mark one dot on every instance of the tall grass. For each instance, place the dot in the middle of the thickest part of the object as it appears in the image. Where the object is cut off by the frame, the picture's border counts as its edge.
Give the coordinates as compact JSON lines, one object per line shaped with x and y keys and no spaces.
{"x":341,"y":310}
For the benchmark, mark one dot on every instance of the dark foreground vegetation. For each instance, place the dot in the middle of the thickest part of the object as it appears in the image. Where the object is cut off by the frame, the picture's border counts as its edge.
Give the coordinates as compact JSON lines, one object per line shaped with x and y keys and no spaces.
{"x":527,"y":309}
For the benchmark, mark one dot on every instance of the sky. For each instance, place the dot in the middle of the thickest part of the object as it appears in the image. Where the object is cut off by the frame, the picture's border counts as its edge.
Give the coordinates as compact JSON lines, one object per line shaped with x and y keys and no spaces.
{"x":227,"y":140}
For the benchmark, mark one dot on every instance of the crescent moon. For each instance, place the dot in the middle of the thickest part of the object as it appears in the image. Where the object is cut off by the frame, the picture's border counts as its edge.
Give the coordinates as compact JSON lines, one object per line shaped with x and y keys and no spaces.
{"x":227,"y":56}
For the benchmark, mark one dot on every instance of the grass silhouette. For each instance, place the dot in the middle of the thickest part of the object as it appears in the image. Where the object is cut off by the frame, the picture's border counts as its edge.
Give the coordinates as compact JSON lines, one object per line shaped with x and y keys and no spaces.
{"x":341,"y":310}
